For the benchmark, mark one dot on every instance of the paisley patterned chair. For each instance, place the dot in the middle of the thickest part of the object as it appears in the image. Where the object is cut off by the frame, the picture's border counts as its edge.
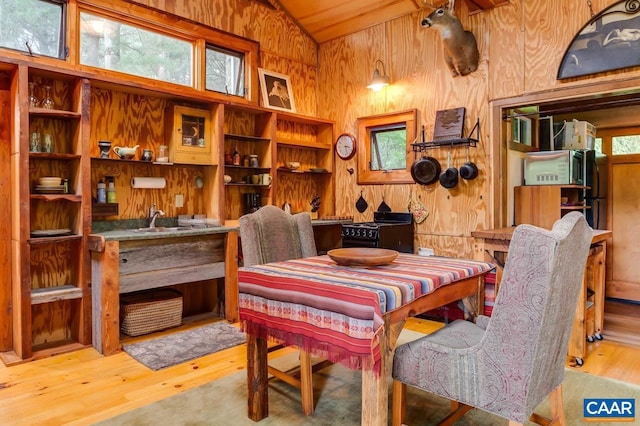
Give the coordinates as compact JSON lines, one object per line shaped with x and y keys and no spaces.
{"x":508,"y":363}
{"x":272,"y":235}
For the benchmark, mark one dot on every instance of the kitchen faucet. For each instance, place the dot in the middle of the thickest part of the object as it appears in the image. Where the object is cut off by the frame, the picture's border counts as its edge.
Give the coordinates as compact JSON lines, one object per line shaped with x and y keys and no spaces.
{"x":153,"y":214}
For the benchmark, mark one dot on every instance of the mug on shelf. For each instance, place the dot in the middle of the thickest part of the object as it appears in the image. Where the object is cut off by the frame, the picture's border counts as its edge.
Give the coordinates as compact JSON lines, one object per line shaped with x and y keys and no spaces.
{"x":265,"y":179}
{"x":255,"y":179}
{"x":147,"y":155}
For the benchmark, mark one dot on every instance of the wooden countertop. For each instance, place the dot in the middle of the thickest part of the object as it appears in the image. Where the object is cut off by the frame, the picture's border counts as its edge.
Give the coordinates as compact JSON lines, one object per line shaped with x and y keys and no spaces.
{"x":506,"y":233}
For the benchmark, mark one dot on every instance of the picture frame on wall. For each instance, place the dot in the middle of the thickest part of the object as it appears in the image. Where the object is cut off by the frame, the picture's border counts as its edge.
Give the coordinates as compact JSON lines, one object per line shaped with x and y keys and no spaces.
{"x":276,"y":91}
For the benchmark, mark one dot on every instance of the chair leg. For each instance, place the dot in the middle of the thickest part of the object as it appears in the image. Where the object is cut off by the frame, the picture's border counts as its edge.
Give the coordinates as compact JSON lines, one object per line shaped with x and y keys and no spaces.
{"x":306,"y":382}
{"x":459,"y":410}
{"x":398,"y":407}
{"x":557,"y":410}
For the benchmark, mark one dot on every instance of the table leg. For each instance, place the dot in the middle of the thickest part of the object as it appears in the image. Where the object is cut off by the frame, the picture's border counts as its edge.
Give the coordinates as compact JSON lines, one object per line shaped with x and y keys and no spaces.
{"x":375,"y":388}
{"x":257,"y":380}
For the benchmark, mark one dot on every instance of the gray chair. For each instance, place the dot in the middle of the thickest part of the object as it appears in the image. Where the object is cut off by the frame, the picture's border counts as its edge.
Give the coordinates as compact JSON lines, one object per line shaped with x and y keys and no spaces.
{"x":272,"y":235}
{"x":508,"y":363}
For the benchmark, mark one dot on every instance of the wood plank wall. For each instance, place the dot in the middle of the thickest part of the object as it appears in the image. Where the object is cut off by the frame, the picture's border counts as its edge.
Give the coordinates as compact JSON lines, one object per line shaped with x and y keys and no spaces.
{"x":521,"y":45}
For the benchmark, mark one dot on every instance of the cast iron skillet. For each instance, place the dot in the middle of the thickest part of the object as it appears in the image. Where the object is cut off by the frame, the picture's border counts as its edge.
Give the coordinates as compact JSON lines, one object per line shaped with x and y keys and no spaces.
{"x":449,"y":178}
{"x":468,"y":170}
{"x":425,"y":171}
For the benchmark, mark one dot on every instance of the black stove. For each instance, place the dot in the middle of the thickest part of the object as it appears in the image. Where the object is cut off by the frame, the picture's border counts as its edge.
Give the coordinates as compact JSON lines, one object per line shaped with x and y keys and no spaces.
{"x":390,"y":230}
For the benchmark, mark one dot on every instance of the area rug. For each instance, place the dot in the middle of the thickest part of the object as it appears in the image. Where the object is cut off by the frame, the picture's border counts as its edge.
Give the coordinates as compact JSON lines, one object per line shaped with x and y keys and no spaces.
{"x":183,"y":346}
{"x":337,"y":393}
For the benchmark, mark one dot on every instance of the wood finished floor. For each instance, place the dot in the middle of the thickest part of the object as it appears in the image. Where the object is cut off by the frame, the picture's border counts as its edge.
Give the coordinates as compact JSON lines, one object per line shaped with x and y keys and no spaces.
{"x":83,"y":387}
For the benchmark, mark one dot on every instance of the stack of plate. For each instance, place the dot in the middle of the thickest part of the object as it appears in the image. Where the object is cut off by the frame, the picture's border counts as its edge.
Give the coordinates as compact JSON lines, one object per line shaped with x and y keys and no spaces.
{"x":50,"y":185}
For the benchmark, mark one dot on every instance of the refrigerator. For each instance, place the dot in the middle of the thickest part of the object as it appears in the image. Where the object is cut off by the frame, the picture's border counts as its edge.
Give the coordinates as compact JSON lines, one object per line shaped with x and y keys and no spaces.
{"x":596,"y":172}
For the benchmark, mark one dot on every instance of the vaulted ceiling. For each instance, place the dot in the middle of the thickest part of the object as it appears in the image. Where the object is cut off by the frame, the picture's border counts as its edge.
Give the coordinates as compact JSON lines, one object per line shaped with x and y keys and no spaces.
{"x":325,"y":20}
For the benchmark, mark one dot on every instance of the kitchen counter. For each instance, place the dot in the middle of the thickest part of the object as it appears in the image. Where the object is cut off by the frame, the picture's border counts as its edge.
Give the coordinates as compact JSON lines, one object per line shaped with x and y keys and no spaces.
{"x":125,"y":261}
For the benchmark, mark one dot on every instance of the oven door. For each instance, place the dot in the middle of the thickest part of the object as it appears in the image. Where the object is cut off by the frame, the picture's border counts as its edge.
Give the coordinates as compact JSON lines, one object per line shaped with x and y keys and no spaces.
{"x":354,"y":242}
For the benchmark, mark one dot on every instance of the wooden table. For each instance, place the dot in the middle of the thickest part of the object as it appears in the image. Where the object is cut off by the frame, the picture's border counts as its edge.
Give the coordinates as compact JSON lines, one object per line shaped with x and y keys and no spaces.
{"x":493,"y":245}
{"x":348,"y":315}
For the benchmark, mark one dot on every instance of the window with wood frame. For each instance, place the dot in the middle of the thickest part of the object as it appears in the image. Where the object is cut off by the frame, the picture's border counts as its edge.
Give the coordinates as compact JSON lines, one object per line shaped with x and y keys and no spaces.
{"x":384,"y":147}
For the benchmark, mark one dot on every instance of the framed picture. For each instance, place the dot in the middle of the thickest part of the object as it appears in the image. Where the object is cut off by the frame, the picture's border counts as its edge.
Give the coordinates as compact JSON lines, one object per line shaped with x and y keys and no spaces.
{"x":276,"y":91}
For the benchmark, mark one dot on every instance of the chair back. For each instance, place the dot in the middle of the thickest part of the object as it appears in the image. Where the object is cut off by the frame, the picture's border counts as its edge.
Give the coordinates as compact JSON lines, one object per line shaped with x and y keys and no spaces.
{"x":530,"y":327}
{"x":271,"y":235}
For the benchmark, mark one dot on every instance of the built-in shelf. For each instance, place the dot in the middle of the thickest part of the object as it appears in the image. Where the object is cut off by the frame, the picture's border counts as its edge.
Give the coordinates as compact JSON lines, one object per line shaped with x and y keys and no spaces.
{"x":104,"y":209}
{"x":246,"y":138}
{"x":257,"y":169}
{"x":54,"y":294}
{"x":56,"y":197}
{"x":306,"y":144}
{"x":54,"y":239}
{"x":53,"y":113}
{"x":53,"y":156}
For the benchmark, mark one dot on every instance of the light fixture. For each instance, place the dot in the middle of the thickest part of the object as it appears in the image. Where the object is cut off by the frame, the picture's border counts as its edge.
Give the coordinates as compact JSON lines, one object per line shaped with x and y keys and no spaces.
{"x":379,"y":81}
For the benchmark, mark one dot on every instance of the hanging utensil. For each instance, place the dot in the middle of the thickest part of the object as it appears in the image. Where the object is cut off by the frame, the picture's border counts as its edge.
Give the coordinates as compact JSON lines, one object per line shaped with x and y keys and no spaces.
{"x":449,"y":178}
{"x":361,"y":204}
{"x":468,"y":170}
{"x":425,"y":170}
{"x":384,"y":207}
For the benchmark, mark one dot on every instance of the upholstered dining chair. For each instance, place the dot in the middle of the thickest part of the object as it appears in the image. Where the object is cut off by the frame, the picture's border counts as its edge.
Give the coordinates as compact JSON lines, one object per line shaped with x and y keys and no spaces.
{"x":272,"y":235}
{"x":508,"y":363}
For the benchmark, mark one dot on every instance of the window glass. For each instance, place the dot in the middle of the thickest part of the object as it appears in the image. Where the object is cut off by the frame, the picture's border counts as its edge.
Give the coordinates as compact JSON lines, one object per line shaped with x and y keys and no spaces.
{"x":388,"y":148}
{"x":597,"y":146}
{"x":34,"y":26}
{"x":625,"y":144}
{"x":114,"y":45}
{"x":224,"y":71}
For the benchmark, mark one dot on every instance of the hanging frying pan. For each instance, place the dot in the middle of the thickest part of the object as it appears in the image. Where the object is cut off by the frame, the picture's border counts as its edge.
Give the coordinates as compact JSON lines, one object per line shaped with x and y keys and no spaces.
{"x":449,"y":178}
{"x":468,"y":170}
{"x":426,"y":170}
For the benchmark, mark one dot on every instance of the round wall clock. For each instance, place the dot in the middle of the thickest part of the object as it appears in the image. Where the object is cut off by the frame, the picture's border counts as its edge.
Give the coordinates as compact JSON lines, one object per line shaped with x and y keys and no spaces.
{"x":345,"y":146}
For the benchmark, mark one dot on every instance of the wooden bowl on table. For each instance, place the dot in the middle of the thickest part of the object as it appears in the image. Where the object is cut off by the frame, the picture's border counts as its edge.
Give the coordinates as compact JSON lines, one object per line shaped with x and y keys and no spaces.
{"x":362,"y":256}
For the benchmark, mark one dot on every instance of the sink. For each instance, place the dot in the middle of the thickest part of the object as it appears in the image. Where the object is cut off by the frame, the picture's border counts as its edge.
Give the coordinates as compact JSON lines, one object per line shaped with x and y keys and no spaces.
{"x":162,"y":229}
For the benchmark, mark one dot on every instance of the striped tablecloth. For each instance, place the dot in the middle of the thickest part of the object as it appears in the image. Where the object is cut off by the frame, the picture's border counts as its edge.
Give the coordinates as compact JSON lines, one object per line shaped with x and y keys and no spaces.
{"x":336,"y":312}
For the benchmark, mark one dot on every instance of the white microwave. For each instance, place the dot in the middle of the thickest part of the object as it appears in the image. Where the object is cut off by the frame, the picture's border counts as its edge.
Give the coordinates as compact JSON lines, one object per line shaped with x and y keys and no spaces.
{"x":563,"y":167}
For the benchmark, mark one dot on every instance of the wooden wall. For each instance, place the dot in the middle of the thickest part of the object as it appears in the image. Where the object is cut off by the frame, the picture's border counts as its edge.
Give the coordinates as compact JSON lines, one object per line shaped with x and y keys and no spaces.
{"x":521,"y":45}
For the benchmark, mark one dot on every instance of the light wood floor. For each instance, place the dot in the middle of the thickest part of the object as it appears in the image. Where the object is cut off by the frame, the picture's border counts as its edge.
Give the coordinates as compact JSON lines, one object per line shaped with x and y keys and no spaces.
{"x":84,"y":387}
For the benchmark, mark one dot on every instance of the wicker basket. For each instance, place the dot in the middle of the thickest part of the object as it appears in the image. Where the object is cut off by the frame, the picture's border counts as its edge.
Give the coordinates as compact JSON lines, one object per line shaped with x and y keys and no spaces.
{"x":150,"y":310}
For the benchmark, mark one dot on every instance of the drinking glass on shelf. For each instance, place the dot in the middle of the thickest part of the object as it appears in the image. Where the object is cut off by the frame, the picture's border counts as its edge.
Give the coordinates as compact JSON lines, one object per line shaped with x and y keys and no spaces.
{"x":33,"y":99}
{"x":47,"y":100}
{"x":34,"y":142}
{"x":47,"y":143}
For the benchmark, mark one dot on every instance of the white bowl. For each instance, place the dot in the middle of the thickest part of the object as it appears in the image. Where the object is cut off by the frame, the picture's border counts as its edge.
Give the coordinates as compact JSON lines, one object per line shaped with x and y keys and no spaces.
{"x":50,"y":181}
{"x":293,"y":164}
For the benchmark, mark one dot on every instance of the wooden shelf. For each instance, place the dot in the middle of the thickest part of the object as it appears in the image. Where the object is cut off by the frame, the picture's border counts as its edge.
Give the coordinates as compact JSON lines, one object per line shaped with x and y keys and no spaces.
{"x":246,"y":138}
{"x":54,"y":239}
{"x":57,"y":197}
{"x":306,"y":144}
{"x":54,"y":294}
{"x":104,"y":209}
{"x":53,"y":156}
{"x":53,"y":113}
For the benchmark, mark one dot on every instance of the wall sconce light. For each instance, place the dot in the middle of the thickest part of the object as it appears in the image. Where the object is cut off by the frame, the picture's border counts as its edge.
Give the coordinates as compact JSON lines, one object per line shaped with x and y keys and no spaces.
{"x":379,"y":81}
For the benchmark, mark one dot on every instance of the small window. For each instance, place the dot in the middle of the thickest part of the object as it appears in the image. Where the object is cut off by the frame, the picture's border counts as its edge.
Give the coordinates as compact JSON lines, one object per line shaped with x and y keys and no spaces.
{"x":521,"y":129}
{"x":225,"y":71}
{"x":388,"y":144}
{"x":114,"y":45}
{"x":384,"y":147}
{"x":33,"y":26}
{"x":621,"y":145}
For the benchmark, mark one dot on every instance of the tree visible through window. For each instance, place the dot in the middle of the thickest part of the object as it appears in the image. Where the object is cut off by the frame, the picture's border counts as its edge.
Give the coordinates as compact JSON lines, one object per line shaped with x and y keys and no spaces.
{"x":625,"y":144}
{"x":117,"y":46}
{"x":388,"y":147}
{"x":225,"y":71}
{"x":33,"y":26}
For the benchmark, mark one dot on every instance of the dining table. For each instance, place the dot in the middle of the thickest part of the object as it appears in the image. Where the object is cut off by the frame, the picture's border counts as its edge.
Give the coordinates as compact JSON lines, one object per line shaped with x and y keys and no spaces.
{"x":352,"y":315}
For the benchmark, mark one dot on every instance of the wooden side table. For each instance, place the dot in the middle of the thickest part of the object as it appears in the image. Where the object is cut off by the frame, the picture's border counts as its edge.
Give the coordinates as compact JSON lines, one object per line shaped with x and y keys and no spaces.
{"x":493,"y":244}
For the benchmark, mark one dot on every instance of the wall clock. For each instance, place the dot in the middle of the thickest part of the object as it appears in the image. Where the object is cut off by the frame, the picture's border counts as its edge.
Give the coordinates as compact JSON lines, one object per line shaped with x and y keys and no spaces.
{"x":345,"y":146}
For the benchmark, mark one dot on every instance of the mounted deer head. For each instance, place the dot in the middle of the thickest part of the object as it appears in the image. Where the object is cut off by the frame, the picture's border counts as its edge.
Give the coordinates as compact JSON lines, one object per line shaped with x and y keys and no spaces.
{"x":460,"y":47}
